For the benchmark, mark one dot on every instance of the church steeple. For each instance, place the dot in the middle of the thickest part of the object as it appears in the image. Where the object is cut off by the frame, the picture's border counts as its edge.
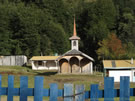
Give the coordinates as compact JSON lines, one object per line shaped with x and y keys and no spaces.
{"x":74,"y":39}
{"x":75,"y":33}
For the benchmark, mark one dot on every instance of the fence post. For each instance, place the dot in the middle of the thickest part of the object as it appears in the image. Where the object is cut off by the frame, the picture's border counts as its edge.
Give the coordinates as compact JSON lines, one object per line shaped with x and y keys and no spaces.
{"x":79,"y":93}
{"x":68,"y":92}
{"x":53,"y":92}
{"x":94,"y":92}
{"x":23,"y":88}
{"x":108,"y":89}
{"x":124,"y":88}
{"x":38,"y":88}
{"x":10,"y":87}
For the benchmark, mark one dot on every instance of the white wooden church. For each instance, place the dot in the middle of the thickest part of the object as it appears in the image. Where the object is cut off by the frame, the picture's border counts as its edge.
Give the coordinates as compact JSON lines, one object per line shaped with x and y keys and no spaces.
{"x":73,"y":61}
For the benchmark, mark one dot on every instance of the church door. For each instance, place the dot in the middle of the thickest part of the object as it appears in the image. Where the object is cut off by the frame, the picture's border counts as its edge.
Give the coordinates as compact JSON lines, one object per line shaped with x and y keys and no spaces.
{"x":74,"y":62}
{"x":64,"y":65}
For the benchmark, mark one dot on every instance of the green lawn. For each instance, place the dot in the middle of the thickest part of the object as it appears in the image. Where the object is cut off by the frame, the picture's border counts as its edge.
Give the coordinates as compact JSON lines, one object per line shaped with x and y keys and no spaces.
{"x":51,"y":77}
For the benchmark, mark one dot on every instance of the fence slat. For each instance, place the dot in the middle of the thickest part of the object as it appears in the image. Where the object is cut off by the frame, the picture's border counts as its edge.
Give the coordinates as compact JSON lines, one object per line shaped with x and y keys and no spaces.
{"x":132,"y":91}
{"x":101,"y":94}
{"x":23,"y":88}
{"x":38,"y":88}
{"x":79,"y":93}
{"x":94,"y":94}
{"x":60,"y":92}
{"x":116,"y":92}
{"x":108,"y":89}
{"x":0,"y":87}
{"x":10,"y":88}
{"x":68,"y":92}
{"x":53,"y":92}
{"x":124,"y":89}
{"x":87,"y":94}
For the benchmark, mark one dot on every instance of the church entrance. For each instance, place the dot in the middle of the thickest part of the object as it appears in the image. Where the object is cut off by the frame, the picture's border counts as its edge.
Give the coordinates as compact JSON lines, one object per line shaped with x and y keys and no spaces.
{"x":85,"y":65}
{"x":74,"y":62}
{"x":64,"y":65}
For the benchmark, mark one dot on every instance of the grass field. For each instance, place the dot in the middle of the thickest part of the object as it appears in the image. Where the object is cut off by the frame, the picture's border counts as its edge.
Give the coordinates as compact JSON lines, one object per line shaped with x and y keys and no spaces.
{"x":51,"y":77}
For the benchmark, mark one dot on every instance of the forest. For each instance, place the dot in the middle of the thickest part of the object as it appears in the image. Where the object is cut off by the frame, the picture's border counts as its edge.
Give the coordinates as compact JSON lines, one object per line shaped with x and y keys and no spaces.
{"x":35,"y":27}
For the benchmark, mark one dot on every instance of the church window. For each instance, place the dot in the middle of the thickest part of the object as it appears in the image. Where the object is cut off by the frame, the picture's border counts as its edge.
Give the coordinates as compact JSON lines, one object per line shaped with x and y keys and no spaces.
{"x":74,"y":43}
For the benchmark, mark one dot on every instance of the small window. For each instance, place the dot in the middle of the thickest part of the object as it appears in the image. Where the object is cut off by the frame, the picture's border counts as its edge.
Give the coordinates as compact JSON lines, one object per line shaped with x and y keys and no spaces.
{"x":74,"y":43}
{"x":40,"y":63}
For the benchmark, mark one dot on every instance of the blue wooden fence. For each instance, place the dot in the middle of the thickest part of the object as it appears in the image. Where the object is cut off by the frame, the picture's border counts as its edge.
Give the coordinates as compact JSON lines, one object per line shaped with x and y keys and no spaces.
{"x":68,"y":92}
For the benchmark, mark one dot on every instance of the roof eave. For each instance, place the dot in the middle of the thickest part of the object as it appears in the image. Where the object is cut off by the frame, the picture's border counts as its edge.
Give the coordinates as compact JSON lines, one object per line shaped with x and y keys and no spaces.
{"x":77,"y":54}
{"x":74,"y":38}
{"x":88,"y":57}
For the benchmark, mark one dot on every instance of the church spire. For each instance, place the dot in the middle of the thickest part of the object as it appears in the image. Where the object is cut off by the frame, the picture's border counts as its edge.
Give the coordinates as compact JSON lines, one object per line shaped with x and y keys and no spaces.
{"x":74,"y":39}
{"x":75,"y":33}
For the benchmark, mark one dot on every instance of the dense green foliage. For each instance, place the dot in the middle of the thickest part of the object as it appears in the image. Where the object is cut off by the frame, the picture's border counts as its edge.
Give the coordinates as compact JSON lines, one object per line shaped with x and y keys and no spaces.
{"x":35,"y":27}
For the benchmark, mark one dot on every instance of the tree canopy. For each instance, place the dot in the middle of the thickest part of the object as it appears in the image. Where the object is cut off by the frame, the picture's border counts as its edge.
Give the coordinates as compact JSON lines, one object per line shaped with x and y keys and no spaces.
{"x":35,"y":27}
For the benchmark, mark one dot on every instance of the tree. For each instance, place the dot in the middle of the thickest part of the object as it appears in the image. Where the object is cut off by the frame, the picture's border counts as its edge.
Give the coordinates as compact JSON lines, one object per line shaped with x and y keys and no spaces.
{"x":125,"y":20}
{"x":60,"y":43}
{"x":105,"y":9}
{"x":23,"y":26}
{"x":18,"y":50}
{"x":130,"y":50}
{"x":125,"y":26}
{"x":111,"y":48}
{"x":96,"y":21}
{"x":5,"y":45}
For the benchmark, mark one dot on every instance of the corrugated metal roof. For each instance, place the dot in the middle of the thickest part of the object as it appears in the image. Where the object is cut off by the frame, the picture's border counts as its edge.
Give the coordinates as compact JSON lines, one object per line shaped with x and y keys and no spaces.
{"x":118,"y":63}
{"x":44,"y":58}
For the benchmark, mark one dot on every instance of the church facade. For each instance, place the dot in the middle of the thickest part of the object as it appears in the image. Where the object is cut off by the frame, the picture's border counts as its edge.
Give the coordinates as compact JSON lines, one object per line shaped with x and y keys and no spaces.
{"x":73,"y":61}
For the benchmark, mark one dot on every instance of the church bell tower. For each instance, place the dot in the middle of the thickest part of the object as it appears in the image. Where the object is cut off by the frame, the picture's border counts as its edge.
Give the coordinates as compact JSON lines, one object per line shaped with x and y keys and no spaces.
{"x":74,"y":39}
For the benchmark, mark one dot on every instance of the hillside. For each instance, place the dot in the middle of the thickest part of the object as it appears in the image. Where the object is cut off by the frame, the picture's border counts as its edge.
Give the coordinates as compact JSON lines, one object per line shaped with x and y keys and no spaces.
{"x":34,"y":27}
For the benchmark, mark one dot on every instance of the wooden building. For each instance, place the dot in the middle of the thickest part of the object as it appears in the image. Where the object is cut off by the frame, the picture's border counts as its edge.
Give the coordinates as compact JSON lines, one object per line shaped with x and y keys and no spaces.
{"x":73,"y":61}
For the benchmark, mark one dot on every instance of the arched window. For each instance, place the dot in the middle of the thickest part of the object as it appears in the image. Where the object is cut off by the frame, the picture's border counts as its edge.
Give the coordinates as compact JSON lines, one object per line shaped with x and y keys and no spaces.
{"x":74,"y":43}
